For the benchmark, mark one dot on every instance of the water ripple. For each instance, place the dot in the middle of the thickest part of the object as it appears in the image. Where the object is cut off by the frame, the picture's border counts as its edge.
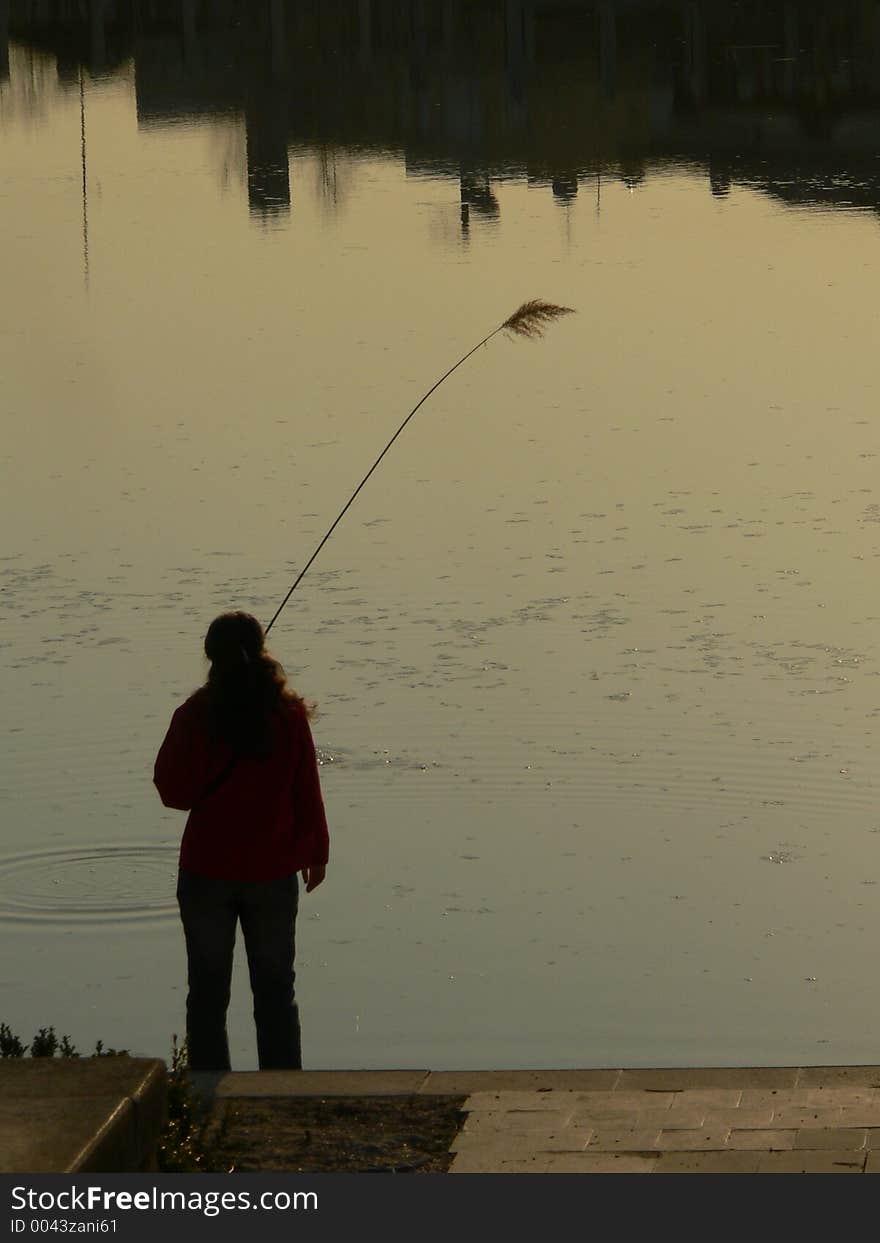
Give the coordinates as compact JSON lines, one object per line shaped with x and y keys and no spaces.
{"x":89,"y":885}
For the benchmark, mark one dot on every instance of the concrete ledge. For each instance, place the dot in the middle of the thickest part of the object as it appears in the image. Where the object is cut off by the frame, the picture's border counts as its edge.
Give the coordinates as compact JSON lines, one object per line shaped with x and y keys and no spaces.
{"x":839,"y":1077}
{"x":457,"y":1082}
{"x":680,"y":1079}
{"x":256,"y":1083}
{"x":293,"y":1083}
{"x":81,"y":1115}
{"x":267,"y":1083}
{"x":103,"y":1115}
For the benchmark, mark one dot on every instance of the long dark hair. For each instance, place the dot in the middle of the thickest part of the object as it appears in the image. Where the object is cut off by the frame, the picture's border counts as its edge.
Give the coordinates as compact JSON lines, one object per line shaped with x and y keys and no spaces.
{"x":245,"y":685}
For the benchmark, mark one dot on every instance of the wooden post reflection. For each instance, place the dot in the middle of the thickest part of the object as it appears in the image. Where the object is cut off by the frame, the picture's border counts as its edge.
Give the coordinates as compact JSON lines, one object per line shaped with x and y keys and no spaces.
{"x":190,"y":33}
{"x":365,"y":32}
{"x":4,"y":40}
{"x":97,"y":36}
{"x":608,"y":48}
{"x":277,"y":37}
{"x":791,"y":49}
{"x":266,"y":127}
{"x":695,"y":51}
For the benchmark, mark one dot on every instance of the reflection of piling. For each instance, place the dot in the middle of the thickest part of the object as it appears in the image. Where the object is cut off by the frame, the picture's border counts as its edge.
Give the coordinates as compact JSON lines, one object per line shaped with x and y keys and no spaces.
{"x":85,"y":186}
{"x":97,"y":36}
{"x":365,"y":33}
{"x":515,"y":56}
{"x":528,"y":18}
{"x":515,"y":35}
{"x":564,"y":187}
{"x":719,"y":177}
{"x":695,"y":51}
{"x":277,"y":38}
{"x":266,"y":126}
{"x":449,"y":26}
{"x":418,"y":20}
{"x":476,"y":194}
{"x":268,"y":166}
{"x":608,"y":48}
{"x":4,"y":40}
{"x":791,"y":49}
{"x":190,"y":33}
{"x":418,"y":54}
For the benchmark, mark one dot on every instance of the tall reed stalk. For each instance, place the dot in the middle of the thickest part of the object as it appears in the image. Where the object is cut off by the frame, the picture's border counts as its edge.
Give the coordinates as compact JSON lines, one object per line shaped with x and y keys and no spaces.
{"x":529,"y":320}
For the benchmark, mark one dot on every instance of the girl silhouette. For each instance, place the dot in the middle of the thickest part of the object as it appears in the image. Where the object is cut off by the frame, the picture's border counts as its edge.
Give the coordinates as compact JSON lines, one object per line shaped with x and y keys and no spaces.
{"x":239,"y":757}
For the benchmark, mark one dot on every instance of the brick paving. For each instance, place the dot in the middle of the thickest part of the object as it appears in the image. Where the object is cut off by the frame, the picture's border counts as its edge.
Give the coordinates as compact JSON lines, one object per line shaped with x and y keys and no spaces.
{"x":741,"y":1120}
{"x":762,"y":1120}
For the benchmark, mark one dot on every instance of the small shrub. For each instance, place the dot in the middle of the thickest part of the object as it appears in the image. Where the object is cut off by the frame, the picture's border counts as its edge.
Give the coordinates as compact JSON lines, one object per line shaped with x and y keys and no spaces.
{"x":10,"y":1045}
{"x":45,"y":1043}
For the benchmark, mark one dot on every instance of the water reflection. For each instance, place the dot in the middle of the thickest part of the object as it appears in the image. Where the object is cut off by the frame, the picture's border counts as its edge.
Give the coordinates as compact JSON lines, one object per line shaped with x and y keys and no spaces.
{"x":684,"y":705}
{"x":783,"y":97}
{"x":4,"y":40}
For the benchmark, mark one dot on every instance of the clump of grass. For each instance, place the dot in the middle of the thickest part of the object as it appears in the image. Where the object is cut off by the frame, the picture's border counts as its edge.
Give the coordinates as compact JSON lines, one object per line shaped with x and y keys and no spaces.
{"x":100,"y":1051}
{"x":192,"y":1142}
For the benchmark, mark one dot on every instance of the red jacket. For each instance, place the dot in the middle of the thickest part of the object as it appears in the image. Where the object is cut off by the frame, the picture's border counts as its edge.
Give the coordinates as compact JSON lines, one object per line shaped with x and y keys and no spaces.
{"x":266,"y":819}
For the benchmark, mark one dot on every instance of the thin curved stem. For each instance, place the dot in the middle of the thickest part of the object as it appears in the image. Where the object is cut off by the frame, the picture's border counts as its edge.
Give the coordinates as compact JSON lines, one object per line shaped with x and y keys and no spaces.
{"x":348,"y":503}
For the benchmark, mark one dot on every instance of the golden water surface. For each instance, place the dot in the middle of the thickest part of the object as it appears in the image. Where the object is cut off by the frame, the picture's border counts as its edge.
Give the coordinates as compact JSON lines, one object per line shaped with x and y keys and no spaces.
{"x":595,"y":650}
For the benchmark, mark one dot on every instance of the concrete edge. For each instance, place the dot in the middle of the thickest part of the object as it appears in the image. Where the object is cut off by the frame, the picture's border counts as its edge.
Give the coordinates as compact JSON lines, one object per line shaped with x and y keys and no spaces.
{"x":150,"y":1099}
{"x":313,"y":1083}
{"x":112,"y":1147}
{"x":254,"y":1084}
{"x":128,"y":1139}
{"x":467,"y":1082}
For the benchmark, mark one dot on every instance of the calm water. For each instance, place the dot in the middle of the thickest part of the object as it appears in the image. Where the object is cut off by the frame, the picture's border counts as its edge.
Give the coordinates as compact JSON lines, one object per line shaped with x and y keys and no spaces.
{"x":595,"y":651}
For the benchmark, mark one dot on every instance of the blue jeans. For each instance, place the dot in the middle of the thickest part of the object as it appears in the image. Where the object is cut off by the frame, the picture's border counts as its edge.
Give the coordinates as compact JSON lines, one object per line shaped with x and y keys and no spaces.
{"x":210,"y":909}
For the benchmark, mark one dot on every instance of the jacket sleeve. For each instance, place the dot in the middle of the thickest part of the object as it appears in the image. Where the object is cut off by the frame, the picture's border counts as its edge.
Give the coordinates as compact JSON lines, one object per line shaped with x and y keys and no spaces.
{"x":310,"y":819}
{"x":179,"y":772}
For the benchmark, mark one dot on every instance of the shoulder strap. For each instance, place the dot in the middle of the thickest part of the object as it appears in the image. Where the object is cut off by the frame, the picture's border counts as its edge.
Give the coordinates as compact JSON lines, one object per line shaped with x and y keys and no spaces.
{"x":216,"y":782}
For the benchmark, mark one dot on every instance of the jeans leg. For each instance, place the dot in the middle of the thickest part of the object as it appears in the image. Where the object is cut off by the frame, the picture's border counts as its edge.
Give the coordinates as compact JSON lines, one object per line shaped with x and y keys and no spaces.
{"x":208,"y":910}
{"x":268,"y":920}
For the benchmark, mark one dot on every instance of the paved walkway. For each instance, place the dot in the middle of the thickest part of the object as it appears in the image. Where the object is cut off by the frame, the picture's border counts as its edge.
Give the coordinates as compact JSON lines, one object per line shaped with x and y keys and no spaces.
{"x":758,"y":1120}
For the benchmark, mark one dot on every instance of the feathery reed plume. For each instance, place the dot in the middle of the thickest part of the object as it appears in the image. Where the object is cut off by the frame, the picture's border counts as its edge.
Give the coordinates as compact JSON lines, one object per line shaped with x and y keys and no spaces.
{"x":529,"y":320}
